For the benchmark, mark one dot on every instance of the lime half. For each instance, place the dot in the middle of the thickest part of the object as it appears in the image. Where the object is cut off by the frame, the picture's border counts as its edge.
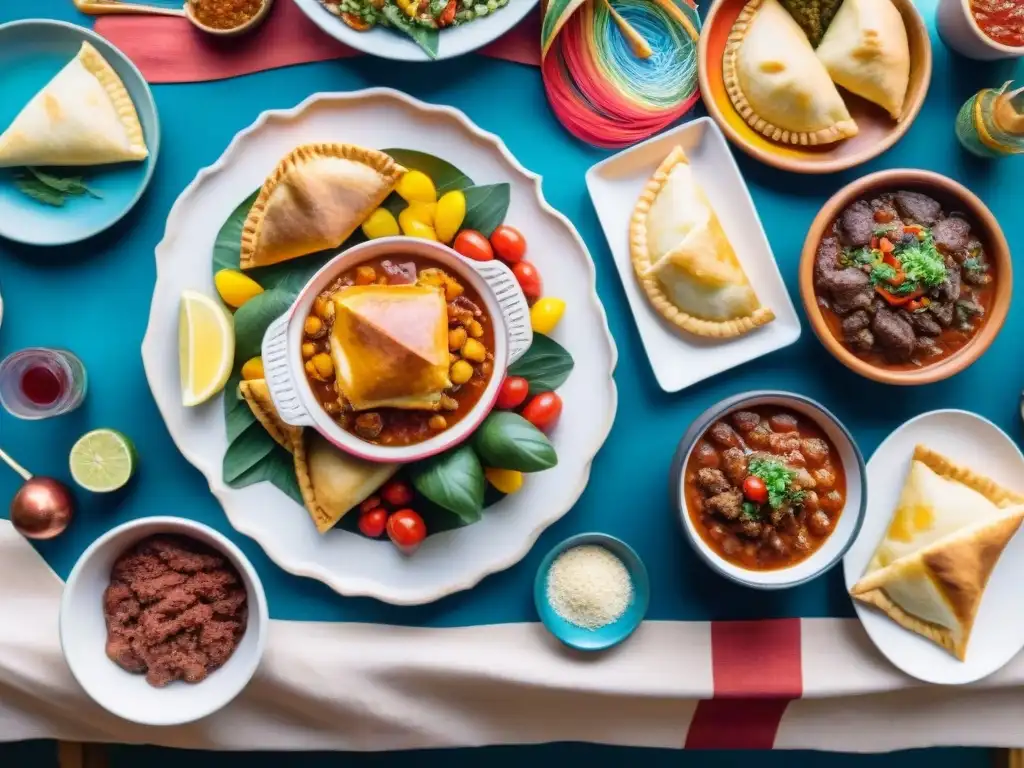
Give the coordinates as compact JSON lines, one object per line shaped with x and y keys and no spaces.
{"x":102,"y":460}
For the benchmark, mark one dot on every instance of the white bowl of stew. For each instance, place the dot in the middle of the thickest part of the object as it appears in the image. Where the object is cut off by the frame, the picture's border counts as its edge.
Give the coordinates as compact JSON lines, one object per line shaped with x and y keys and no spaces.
{"x":484,"y":304}
{"x":770,"y":489}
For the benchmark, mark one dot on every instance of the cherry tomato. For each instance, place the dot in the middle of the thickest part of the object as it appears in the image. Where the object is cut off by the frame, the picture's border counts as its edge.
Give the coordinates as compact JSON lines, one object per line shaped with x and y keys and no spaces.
{"x":543,"y":411}
{"x":529,"y":279}
{"x":406,"y":530}
{"x":397,"y":493}
{"x":755,"y":489}
{"x":513,"y":392}
{"x":509,"y":244}
{"x":372,"y":523}
{"x":473,"y":245}
{"x":370,"y":504}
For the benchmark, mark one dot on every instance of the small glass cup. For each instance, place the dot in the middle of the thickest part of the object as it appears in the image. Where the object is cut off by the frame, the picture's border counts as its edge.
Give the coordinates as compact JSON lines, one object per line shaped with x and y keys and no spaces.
{"x":37,"y":383}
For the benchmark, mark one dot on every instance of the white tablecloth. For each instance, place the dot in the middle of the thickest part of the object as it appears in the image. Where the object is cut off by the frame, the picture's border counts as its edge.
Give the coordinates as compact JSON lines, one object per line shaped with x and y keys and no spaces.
{"x":374,"y":687}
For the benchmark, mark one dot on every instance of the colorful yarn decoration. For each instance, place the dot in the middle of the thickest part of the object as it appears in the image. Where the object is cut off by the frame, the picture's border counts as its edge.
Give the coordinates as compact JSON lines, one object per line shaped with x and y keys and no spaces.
{"x":598,"y":84}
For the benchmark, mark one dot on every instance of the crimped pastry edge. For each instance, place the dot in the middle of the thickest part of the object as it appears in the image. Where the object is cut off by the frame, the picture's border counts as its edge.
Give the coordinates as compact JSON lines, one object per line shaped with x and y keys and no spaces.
{"x":121,"y":100}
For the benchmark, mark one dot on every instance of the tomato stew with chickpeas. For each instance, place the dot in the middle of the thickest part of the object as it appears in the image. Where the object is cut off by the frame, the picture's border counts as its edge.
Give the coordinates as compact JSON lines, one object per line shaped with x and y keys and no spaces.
{"x":764,"y":487}
{"x":470,"y":345}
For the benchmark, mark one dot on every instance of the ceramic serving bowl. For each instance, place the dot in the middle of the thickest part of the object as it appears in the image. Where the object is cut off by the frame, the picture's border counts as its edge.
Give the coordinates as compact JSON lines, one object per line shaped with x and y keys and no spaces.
{"x":282,"y":359}
{"x":954,"y":197}
{"x":833,"y":549}
{"x":878,"y":131}
{"x":960,"y":31}
{"x":241,"y":29}
{"x":83,"y":632}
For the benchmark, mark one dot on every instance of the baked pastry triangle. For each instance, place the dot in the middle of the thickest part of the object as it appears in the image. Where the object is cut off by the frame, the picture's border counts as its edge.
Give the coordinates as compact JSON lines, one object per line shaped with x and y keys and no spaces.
{"x":866,"y":51}
{"x":390,"y":346}
{"x":683,"y":259}
{"x":950,"y":526}
{"x":314,"y":199}
{"x":83,"y":116}
{"x":776,"y":82}
{"x":332,"y":482}
{"x":257,"y":396}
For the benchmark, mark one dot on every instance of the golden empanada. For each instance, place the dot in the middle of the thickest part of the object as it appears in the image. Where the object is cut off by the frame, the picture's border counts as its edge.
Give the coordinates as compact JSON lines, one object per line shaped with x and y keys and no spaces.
{"x":683,"y":259}
{"x":83,"y":116}
{"x":776,"y":82}
{"x":257,"y":396}
{"x":333,"y":482}
{"x":946,"y":535}
{"x":314,"y":199}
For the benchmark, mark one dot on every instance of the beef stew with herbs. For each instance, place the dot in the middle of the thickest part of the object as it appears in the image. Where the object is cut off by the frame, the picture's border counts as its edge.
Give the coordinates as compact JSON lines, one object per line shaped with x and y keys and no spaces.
{"x":764,"y":487}
{"x":902,"y":281}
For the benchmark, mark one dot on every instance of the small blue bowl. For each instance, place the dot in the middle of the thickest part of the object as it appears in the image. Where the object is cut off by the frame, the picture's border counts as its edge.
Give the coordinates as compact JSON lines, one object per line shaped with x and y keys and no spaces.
{"x":594,"y":639}
{"x":32,"y":52}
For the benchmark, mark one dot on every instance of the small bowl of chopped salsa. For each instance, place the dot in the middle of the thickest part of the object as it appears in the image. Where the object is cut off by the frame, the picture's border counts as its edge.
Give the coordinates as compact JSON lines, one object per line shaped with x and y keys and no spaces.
{"x":591,"y":591}
{"x":769,"y":488}
{"x":227,"y":18}
{"x":982,"y":29}
{"x":906,"y":277}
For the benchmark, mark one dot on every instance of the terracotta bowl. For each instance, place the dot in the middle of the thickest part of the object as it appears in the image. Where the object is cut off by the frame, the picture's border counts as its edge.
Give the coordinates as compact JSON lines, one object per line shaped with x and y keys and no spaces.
{"x":241,"y":29}
{"x":878,"y":131}
{"x":953,"y":196}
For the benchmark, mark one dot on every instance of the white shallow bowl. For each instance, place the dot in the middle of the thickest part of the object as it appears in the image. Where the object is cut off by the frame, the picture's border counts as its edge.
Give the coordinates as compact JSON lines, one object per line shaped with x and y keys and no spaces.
{"x":998,"y":633}
{"x":850,"y":520}
{"x":83,"y":632}
{"x":680,"y":359}
{"x":282,"y":356}
{"x":959,"y":30}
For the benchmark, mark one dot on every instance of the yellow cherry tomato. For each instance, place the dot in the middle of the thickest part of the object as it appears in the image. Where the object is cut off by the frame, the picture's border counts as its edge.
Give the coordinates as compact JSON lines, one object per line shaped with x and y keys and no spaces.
{"x":253,"y":369}
{"x":380,"y":223}
{"x":505,"y":480}
{"x":545,"y":314}
{"x":425,"y":212}
{"x":416,"y":186}
{"x":413,"y":226}
{"x":451,"y":211}
{"x":235,"y":288}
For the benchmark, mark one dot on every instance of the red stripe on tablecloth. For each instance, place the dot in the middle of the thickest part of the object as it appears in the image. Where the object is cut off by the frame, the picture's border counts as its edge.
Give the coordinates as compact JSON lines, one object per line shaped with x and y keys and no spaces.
{"x":171,"y":50}
{"x":757,"y":672}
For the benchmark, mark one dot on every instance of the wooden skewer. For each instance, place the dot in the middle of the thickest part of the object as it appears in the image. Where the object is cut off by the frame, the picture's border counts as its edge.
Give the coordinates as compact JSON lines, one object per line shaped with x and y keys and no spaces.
{"x":25,"y":474}
{"x":640,"y":46}
{"x":105,"y":7}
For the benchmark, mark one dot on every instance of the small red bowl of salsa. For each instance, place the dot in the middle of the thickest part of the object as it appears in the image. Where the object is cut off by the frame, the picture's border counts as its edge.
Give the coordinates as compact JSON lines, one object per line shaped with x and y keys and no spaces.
{"x":983,"y":29}
{"x":770,"y":489}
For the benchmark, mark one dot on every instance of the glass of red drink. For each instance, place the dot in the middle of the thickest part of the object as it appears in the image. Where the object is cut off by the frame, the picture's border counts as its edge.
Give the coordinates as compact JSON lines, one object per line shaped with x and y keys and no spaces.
{"x":37,"y":383}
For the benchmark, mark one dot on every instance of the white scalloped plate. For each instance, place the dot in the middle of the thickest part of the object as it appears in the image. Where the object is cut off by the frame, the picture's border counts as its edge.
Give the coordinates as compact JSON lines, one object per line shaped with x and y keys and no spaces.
{"x":350,"y":564}
{"x":391,"y":44}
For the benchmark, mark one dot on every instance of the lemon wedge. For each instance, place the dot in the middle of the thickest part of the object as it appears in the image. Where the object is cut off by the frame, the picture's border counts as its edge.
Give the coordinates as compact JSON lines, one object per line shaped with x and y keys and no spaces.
{"x":206,"y":347}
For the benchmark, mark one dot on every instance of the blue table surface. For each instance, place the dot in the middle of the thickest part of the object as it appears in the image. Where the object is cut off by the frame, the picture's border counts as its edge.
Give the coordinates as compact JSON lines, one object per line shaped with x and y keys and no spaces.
{"x":94,"y":298}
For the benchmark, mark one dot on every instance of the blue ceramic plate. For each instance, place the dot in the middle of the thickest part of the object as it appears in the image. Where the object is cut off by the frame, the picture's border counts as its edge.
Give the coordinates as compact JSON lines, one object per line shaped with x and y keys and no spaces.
{"x":32,"y":52}
{"x":605,"y":637}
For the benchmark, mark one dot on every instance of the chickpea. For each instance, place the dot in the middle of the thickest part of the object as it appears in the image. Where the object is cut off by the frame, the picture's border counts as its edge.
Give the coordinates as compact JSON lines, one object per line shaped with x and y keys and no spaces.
{"x":438,"y":422}
{"x":328,"y":314}
{"x":308,"y":349}
{"x":475,"y":329}
{"x":452,"y":357}
{"x":313,"y":326}
{"x":461,"y":372}
{"x":456,"y":338}
{"x":310,"y":370}
{"x":324,"y":365}
{"x":449,"y":403}
{"x":474,"y":350}
{"x":332,"y":407}
{"x":452,"y":290}
{"x":365,"y":275}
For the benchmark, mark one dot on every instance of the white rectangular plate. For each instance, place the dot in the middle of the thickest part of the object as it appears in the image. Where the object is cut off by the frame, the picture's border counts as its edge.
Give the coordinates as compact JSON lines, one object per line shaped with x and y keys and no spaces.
{"x":680,"y":359}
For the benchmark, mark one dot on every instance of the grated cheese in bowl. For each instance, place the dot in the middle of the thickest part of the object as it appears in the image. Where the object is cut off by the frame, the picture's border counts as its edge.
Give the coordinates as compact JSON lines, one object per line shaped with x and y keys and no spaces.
{"x":589,"y":587}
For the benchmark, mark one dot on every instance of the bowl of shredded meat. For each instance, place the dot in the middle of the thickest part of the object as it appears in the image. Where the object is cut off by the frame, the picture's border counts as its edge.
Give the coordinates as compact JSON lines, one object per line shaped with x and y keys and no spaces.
{"x":163,"y":621}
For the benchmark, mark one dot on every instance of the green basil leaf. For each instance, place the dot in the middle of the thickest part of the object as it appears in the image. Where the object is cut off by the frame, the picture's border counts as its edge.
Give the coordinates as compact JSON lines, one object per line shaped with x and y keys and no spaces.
{"x":252,"y":319}
{"x":486,"y":207}
{"x":227,"y":248}
{"x":278,"y":468}
{"x":546,"y":365}
{"x":454,"y":480}
{"x":425,"y":37}
{"x":445,"y":176}
{"x":508,"y":441}
{"x":38,"y":191}
{"x":237,"y":420}
{"x":245,"y":451}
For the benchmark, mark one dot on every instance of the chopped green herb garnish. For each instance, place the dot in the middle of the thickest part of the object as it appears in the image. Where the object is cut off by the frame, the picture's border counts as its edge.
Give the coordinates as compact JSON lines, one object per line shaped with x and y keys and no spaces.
{"x":778,"y":479}
{"x":882,"y":273}
{"x":862,"y":255}
{"x":883,"y":230}
{"x":923,"y":263}
{"x":751,"y":510}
